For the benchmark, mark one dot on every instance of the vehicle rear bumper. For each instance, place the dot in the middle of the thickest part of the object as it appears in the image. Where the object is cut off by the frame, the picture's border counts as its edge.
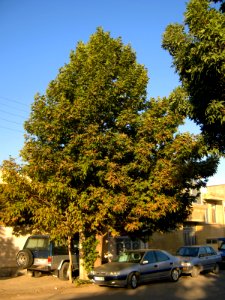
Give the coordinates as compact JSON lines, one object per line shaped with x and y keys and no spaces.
{"x":40,"y":268}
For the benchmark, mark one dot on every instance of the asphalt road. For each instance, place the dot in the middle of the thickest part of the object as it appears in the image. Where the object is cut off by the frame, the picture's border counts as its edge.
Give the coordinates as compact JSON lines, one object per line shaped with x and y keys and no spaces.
{"x":208,"y":286}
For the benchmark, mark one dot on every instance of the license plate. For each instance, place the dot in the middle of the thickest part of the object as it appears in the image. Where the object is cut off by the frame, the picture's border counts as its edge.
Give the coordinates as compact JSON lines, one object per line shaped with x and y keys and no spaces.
{"x":40,"y":261}
{"x":99,"y":278}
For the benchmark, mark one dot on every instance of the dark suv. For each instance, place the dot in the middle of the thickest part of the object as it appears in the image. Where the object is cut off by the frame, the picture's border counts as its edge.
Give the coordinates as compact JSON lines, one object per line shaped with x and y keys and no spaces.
{"x":41,"y":254}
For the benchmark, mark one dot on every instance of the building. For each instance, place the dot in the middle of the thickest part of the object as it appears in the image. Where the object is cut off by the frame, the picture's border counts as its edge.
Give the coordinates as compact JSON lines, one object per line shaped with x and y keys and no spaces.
{"x":205,"y":224}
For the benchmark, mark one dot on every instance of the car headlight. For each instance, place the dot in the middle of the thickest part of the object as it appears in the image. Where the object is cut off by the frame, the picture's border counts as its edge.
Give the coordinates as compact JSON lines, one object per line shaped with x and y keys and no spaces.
{"x":186,"y":264}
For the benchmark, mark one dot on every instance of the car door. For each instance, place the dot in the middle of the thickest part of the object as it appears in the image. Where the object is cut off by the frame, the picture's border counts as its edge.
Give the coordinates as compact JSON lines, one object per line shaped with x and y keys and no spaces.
{"x":211,"y":257}
{"x":164,"y":264}
{"x":203,"y":257}
{"x":148,"y":266}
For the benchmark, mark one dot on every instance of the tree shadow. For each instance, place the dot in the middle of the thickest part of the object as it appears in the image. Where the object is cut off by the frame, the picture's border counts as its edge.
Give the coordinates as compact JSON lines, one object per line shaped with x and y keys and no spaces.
{"x":8,"y":251}
{"x":206,"y":286}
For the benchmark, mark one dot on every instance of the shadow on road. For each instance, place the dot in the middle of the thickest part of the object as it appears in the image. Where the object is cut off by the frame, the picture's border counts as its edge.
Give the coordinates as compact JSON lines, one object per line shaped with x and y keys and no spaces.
{"x":208,"y":286}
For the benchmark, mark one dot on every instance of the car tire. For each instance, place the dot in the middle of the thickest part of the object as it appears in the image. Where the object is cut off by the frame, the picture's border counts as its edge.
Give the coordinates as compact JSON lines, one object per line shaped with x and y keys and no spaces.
{"x":174,"y":275}
{"x":64,"y":271}
{"x":216,"y":269}
{"x":195,"y":271}
{"x":132,"y":281}
{"x":24,"y":258}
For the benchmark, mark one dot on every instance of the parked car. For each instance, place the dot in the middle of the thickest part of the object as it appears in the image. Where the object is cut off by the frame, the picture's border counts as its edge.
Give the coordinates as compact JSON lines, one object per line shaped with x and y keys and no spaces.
{"x":41,"y":254}
{"x":134,"y":267}
{"x":195,"y":259}
{"x":221,"y":249}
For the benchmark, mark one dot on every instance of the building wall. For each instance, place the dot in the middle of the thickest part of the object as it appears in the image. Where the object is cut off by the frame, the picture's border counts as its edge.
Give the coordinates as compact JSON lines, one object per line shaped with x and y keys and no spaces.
{"x":209,"y":231}
{"x":9,"y":246}
{"x":170,"y":241}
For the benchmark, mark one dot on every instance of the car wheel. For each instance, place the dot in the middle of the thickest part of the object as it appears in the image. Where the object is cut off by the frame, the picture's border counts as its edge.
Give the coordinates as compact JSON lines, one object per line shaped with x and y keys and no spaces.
{"x":64,"y":271}
{"x":174,"y":275}
{"x":132,"y":281}
{"x":195,"y":272}
{"x":24,"y":258}
{"x":216,"y":269}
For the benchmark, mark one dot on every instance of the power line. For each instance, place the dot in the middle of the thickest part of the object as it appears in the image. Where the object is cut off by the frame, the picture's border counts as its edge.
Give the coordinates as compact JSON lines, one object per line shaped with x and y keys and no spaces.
{"x":11,"y":121}
{"x":15,"y":130}
{"x":18,"y":108}
{"x":12,"y":114}
{"x":15,"y":101}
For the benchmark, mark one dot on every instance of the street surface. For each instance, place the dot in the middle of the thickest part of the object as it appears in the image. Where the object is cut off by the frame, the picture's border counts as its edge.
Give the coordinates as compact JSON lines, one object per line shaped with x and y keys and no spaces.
{"x":208,"y":286}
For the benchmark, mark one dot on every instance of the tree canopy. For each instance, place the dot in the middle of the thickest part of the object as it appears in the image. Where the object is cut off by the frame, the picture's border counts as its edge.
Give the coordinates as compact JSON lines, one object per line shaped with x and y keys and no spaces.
{"x":99,"y":157}
{"x":197,"y":48}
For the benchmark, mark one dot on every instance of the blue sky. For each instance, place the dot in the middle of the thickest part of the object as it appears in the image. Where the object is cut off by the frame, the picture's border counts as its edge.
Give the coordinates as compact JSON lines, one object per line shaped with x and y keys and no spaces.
{"x":36,"y":37}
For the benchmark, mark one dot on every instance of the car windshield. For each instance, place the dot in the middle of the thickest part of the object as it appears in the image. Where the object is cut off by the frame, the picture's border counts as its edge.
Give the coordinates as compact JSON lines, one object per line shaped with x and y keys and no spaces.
{"x":130,"y":257}
{"x":188,"y":251}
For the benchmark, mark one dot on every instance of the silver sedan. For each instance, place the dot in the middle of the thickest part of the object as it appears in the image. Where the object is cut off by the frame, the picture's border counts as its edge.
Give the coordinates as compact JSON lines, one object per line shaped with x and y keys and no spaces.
{"x":137,"y":266}
{"x":195,"y":259}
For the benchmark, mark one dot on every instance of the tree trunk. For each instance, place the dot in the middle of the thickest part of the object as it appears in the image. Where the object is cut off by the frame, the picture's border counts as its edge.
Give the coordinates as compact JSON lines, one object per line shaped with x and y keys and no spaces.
{"x":82,"y":271}
{"x":70,"y":258}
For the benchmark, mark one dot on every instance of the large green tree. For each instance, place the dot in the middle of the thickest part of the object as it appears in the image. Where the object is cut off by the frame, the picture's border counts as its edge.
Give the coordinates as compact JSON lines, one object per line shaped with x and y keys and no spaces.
{"x":101,"y":158}
{"x":197,"y":48}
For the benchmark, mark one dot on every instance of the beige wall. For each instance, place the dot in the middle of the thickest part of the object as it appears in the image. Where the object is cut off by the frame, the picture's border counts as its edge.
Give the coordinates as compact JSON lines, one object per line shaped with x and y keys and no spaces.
{"x":9,"y":246}
{"x":208,"y":231}
{"x":168,"y":241}
{"x":173,"y":240}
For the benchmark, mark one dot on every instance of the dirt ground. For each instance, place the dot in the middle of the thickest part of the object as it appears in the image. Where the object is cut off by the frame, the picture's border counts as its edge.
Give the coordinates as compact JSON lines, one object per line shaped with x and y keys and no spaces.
{"x":26,"y":287}
{"x":207,"y":286}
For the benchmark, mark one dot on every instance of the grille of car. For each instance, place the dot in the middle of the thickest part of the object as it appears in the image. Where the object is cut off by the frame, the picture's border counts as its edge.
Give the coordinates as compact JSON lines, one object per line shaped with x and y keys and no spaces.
{"x":100,"y":273}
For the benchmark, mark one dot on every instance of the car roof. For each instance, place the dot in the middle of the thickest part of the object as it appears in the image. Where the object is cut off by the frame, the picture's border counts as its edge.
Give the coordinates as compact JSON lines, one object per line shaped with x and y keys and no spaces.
{"x":144,"y":250}
{"x":39,"y":236}
{"x":195,"y":246}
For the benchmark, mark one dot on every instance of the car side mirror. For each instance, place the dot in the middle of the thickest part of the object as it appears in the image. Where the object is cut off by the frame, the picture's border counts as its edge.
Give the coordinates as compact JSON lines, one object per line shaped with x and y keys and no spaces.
{"x":145,"y":262}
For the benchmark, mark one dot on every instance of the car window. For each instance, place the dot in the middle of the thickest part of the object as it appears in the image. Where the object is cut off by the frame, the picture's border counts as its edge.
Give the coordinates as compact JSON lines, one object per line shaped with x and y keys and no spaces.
{"x":202,"y":251}
{"x":210,"y":250}
{"x":188,"y":251}
{"x":161,"y":256}
{"x":37,"y":243}
{"x":130,"y":256}
{"x":150,"y":257}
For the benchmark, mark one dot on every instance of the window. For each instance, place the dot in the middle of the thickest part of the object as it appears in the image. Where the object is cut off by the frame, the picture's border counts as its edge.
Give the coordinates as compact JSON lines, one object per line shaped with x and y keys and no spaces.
{"x":213,"y":209}
{"x":36,"y":243}
{"x":202,"y":251}
{"x":150,"y":257}
{"x":188,"y":251}
{"x":125,"y":243}
{"x":211,"y":241}
{"x":161,"y":256}
{"x":189,"y":236}
{"x":210,"y":251}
